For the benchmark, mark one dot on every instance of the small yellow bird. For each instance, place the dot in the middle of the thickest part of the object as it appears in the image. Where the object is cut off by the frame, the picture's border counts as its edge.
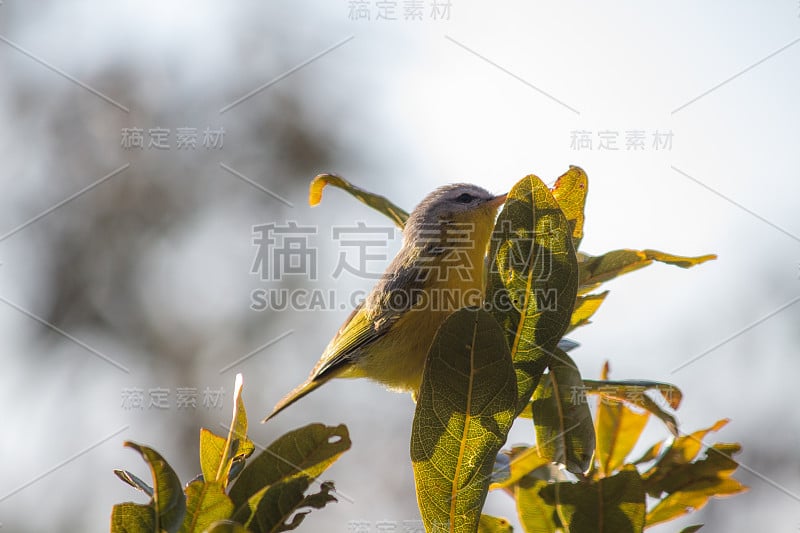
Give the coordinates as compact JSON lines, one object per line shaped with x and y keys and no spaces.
{"x":438,"y":270}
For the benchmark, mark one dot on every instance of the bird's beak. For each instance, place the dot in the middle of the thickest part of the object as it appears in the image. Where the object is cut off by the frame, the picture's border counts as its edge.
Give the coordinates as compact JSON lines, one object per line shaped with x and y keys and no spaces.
{"x":497,"y":201}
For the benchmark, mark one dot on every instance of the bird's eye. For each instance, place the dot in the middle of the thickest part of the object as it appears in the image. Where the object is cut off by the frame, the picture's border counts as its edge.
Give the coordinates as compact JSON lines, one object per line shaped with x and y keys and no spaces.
{"x":465,"y":198}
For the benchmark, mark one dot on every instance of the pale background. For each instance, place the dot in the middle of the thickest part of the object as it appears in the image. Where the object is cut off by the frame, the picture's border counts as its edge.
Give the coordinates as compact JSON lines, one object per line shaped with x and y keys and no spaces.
{"x":150,"y":268}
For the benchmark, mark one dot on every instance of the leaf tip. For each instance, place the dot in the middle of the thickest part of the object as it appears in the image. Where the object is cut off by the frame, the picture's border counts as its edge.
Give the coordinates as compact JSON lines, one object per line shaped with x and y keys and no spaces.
{"x":315,"y":188}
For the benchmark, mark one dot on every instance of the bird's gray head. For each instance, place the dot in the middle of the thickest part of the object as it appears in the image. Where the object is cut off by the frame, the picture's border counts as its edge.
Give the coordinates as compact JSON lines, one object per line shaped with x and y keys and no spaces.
{"x":456,"y":203}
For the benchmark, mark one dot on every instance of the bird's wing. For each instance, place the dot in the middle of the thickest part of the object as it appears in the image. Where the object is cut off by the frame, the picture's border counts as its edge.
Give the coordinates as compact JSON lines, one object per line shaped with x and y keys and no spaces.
{"x":361,"y":329}
{"x":389,"y":300}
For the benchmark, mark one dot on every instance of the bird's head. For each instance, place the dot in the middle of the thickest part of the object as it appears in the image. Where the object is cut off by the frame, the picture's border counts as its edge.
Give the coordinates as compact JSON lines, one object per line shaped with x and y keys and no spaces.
{"x":455,"y":205}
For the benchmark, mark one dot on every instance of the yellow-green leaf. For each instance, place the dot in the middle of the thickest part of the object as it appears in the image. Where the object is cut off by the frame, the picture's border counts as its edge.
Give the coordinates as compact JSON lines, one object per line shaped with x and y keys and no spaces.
{"x":378,"y":203}
{"x":212,"y":451}
{"x":282,"y":506}
{"x":493,"y":524}
{"x":134,"y":481}
{"x":570,"y":192}
{"x":206,"y":503}
{"x":680,"y":453}
{"x":690,"y":485}
{"x":521,"y":461}
{"x":465,"y":408}
{"x":132,"y":517}
{"x":306,"y":451}
{"x":563,"y":422}
{"x":618,"y":429}
{"x":168,"y":501}
{"x":585,"y":307}
{"x":692,"y":499}
{"x":532,"y":282}
{"x":217,"y":455}
{"x":613,"y":504}
{"x":598,"y":269}
{"x":633,"y":392}
{"x":226,"y":526}
{"x":535,"y":515}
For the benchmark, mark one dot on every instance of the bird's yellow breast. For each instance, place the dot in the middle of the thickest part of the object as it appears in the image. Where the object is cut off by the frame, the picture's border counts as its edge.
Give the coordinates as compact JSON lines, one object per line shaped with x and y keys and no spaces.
{"x":397,"y":359}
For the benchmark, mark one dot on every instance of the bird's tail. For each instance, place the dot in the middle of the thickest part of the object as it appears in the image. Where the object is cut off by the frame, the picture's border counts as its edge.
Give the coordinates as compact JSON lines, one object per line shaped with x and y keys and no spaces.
{"x":296,"y":394}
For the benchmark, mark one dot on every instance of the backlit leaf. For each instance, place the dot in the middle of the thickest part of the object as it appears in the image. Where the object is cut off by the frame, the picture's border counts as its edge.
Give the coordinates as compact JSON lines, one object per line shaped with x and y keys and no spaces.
{"x":206,"y":503}
{"x":306,"y":451}
{"x":563,"y":422}
{"x":226,"y":526}
{"x":521,"y":461}
{"x":585,"y":307}
{"x":212,"y":450}
{"x":570,"y":192}
{"x":681,"y":452}
{"x":236,"y":445}
{"x":493,"y":524}
{"x":618,"y":429}
{"x":597,"y":269}
{"x":168,"y":501}
{"x":464,"y":411}
{"x":690,"y":485}
{"x":282,"y":506}
{"x":613,"y":504}
{"x":532,"y":280}
{"x":132,"y":517}
{"x":379,"y":203}
{"x":633,"y":392}
{"x":134,"y":481}
{"x":535,"y":515}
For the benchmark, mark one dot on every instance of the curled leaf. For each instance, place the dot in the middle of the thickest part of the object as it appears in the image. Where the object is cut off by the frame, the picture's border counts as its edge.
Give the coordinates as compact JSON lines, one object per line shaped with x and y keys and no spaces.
{"x":377,"y":202}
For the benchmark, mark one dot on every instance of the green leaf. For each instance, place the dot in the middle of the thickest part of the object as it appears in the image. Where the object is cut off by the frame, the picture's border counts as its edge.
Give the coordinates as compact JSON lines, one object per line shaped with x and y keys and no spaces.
{"x":134,"y":481}
{"x":306,"y":451}
{"x":535,"y":515}
{"x":613,"y":504}
{"x":585,"y":307}
{"x":570,"y":192}
{"x":563,"y":422}
{"x":212,"y":450}
{"x":618,"y":429}
{"x":598,"y":269}
{"x":132,"y":517}
{"x":206,"y":503}
{"x":379,"y":203}
{"x":168,"y":500}
{"x":236,"y":445}
{"x":690,"y":486}
{"x":493,"y":524}
{"x":532,"y":281}
{"x":464,"y":411}
{"x":522,"y":461}
{"x":651,"y":454}
{"x":691,"y":529}
{"x":282,"y":506}
{"x":226,"y":526}
{"x":632,"y":392}
{"x":680,"y":453}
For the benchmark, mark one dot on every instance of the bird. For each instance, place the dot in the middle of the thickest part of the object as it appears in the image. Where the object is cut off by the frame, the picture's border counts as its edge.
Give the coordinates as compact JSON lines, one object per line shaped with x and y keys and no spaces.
{"x":438,"y":270}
